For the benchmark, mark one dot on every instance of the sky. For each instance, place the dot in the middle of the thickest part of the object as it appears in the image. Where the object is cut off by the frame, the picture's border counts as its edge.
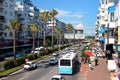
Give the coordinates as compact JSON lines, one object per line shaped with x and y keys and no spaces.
{"x":80,"y":13}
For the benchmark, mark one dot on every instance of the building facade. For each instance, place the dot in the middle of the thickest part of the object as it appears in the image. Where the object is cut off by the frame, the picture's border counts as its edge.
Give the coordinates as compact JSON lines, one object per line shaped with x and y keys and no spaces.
{"x":105,"y":24}
{"x":27,"y":13}
{"x":7,"y":13}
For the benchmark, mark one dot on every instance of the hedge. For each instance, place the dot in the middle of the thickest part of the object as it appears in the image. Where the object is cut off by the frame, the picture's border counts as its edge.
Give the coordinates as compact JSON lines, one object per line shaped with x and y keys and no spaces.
{"x":21,"y":60}
{"x":9,"y":64}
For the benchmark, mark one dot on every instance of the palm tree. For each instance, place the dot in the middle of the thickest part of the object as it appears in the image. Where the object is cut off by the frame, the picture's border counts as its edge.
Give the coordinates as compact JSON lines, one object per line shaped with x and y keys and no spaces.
{"x":14,"y":25}
{"x":59,"y":33}
{"x":44,"y":16}
{"x":53,"y":13}
{"x":70,"y":28}
{"x":34,"y":29}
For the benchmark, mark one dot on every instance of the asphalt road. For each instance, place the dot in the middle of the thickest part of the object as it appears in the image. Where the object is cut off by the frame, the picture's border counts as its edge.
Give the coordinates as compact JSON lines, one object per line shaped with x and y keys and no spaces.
{"x":43,"y":72}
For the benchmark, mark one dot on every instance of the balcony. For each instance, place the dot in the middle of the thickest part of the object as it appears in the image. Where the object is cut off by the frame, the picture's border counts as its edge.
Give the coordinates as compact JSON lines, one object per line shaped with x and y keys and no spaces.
{"x":112,"y":25}
{"x":1,"y":27}
{"x":1,"y":5}
{"x":1,"y":12}
{"x":103,"y":22}
{"x":111,"y":40}
{"x":2,"y":19}
{"x":117,"y":22}
{"x":102,"y":39}
{"x":1,"y":1}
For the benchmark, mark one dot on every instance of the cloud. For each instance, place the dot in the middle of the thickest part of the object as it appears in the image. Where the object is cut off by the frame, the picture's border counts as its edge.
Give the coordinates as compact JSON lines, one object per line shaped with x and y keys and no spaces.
{"x":89,"y":31}
{"x":80,"y":26}
{"x":65,"y":13}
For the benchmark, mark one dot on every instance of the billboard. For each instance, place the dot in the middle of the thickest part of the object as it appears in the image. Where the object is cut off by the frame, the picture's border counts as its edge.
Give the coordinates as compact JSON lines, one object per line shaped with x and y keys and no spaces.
{"x":74,"y":36}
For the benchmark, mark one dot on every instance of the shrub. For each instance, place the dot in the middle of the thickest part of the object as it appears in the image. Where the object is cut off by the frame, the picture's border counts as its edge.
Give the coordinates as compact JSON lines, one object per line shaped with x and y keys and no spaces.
{"x":30,"y":56}
{"x":20,"y":60}
{"x":9,"y":64}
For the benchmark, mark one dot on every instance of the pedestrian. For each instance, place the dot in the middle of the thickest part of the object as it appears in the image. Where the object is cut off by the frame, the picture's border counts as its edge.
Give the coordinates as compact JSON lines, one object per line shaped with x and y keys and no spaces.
{"x":119,"y":76}
{"x":96,"y":61}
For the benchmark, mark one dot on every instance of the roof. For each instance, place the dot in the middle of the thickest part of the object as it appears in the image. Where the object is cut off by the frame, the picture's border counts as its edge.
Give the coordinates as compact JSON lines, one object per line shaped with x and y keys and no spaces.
{"x":57,"y":76}
{"x":69,"y":56}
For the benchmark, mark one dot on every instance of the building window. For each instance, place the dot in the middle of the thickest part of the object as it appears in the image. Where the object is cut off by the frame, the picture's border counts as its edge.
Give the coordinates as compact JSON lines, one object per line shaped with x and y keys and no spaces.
{"x":6,"y":5}
{"x":10,"y":34}
{"x":5,"y":12}
{"x":12,"y":1}
{"x":111,"y":33}
{"x":11,"y":14}
{"x":111,"y":16}
{"x":11,"y":6}
{"x":5,"y":34}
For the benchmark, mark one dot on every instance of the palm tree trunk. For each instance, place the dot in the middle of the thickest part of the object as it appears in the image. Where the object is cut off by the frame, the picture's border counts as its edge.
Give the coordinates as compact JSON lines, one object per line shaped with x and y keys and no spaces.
{"x":57,"y":40}
{"x":33,"y":44}
{"x":14,"y":47}
{"x":53,"y":34}
{"x":44,"y":36}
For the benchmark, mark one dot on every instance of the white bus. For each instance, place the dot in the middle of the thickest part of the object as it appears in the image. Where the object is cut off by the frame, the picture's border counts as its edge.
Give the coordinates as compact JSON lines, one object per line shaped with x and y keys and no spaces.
{"x":67,"y":63}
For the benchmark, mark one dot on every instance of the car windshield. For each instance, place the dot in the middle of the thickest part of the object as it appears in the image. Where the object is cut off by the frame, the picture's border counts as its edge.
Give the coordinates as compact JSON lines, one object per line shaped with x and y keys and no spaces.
{"x":55,"y":78}
{"x":52,"y":60}
{"x":27,"y":63}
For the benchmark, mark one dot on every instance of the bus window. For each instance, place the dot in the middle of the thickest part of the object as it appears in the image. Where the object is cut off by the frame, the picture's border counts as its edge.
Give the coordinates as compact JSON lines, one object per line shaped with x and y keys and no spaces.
{"x":65,"y":63}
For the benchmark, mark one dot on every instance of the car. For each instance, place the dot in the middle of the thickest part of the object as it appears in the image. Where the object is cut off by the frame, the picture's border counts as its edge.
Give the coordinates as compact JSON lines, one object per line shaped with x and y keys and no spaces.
{"x":55,"y":54}
{"x":53,"y":61}
{"x":30,"y":65}
{"x":20,"y":54}
{"x":58,"y":77}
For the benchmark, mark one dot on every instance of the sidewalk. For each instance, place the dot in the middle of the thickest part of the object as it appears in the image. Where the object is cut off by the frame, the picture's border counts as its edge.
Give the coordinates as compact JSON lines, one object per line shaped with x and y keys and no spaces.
{"x":100,"y":72}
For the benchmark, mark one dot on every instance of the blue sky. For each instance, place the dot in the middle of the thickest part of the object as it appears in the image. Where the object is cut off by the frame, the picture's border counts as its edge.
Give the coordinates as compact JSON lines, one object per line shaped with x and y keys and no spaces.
{"x":78,"y":12}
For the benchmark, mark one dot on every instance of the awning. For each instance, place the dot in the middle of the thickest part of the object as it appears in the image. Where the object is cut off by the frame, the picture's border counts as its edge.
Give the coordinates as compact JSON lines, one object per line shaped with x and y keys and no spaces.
{"x":106,"y":28}
{"x":102,"y":39}
{"x":102,"y":30}
{"x":111,"y":9}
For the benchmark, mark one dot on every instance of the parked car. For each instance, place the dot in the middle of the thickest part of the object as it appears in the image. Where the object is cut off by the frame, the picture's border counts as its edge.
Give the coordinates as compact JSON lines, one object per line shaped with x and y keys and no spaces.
{"x":53,"y":61}
{"x":30,"y":65}
{"x":58,"y":77}
{"x":20,"y":54}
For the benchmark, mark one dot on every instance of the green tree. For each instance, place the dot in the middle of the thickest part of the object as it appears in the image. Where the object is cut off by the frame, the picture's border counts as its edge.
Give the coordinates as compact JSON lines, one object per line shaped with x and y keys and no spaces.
{"x":44,"y":16}
{"x":14,"y":25}
{"x":70,"y":28}
{"x":34,"y":28}
{"x":53,"y":13}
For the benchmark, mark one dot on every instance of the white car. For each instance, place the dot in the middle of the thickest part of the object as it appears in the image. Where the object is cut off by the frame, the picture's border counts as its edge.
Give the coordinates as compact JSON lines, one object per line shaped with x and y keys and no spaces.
{"x":30,"y":65}
{"x":55,"y":54}
{"x":58,"y":77}
{"x":53,"y":61}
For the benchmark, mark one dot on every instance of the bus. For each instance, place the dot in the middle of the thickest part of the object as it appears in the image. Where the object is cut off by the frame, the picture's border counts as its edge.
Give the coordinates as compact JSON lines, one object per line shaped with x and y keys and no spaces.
{"x":67,"y":63}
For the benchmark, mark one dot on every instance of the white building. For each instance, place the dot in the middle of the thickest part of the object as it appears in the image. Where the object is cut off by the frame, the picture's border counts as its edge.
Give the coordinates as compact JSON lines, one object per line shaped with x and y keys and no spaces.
{"x":105,"y":24}
{"x":57,"y":23}
{"x":75,"y":34}
{"x":27,"y":13}
{"x":7,"y":13}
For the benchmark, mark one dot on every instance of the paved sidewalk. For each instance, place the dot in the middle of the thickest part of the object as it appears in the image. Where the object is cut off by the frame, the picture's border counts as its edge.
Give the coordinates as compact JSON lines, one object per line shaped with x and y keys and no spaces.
{"x":100,"y":72}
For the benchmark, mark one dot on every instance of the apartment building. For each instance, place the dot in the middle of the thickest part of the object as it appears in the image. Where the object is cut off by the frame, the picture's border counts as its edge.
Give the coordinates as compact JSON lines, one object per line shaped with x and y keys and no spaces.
{"x":105,"y":24}
{"x":57,"y":23}
{"x":7,"y":13}
{"x":27,"y":13}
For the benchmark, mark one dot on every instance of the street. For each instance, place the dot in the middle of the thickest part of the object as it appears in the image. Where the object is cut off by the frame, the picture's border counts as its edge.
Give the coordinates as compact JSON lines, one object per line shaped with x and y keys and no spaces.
{"x":44,"y":71}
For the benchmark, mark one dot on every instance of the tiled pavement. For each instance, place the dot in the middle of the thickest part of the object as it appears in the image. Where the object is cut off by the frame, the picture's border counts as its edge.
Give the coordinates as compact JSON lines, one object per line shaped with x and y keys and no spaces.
{"x":100,"y":72}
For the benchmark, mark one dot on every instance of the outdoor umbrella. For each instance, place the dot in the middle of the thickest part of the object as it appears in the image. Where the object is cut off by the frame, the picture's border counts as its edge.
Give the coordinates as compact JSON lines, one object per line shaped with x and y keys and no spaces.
{"x":89,"y":53}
